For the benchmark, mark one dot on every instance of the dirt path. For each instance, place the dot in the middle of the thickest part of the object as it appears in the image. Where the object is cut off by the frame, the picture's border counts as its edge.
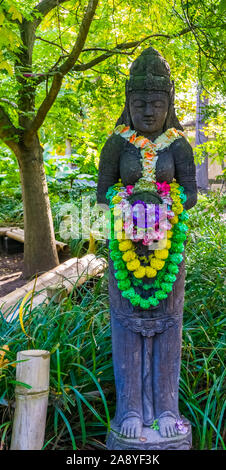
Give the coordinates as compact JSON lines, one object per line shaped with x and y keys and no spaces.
{"x":11,"y":266}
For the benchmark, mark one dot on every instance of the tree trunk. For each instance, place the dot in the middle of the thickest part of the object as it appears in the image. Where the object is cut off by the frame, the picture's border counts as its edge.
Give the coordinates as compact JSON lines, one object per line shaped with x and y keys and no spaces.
{"x":40,"y":253}
{"x":200,"y":138}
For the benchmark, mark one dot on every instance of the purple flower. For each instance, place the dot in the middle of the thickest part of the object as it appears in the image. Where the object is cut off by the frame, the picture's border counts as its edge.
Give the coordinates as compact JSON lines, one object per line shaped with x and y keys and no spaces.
{"x":181,"y":426}
{"x":145,"y":215}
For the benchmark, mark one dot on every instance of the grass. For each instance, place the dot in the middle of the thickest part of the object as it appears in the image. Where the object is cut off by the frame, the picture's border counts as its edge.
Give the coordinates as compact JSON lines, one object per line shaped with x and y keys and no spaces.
{"x":77,"y":333}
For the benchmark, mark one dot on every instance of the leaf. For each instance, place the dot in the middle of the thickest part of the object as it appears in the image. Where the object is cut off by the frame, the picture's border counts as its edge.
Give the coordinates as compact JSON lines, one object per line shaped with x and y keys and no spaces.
{"x":222,"y":6}
{"x":2,"y":17}
{"x":68,"y":427}
{"x":22,"y":384}
{"x":5,"y":65}
{"x":21,"y":311}
{"x":16,"y":15}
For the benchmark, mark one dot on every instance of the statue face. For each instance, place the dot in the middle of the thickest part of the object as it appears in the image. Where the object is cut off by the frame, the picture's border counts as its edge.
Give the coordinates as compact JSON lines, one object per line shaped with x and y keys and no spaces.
{"x":148,"y":112}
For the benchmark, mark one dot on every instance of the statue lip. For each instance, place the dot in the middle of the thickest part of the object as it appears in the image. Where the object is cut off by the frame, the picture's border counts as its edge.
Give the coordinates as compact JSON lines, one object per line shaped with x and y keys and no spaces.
{"x":149,"y":121}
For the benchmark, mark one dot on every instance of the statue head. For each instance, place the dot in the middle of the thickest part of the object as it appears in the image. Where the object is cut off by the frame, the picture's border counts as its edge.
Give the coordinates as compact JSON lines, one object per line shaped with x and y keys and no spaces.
{"x":149,"y":107}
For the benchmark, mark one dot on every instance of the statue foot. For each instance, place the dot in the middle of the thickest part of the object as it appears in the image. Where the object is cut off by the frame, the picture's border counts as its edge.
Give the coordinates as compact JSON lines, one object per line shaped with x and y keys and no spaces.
{"x":131,"y":427}
{"x":167,"y":425}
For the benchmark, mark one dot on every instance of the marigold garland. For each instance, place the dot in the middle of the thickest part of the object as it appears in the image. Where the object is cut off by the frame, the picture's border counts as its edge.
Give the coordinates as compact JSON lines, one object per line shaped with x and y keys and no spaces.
{"x":162,"y":265}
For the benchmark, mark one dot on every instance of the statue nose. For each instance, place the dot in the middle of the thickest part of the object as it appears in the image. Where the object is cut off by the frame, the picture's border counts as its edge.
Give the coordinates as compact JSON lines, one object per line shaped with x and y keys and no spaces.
{"x":149,"y":110}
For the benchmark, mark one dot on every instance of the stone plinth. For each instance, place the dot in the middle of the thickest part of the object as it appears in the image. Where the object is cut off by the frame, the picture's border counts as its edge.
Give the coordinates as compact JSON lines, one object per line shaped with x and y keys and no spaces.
{"x":149,"y":440}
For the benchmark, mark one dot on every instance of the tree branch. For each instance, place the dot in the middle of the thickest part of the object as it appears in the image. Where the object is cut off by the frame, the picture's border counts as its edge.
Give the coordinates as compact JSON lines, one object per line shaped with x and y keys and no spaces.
{"x":52,"y":43}
{"x":64,"y":68}
{"x":108,"y":53}
{"x":120,"y":48}
{"x":12,"y":103}
{"x":45,"y":106}
{"x":8,"y":133}
{"x":44,"y":7}
{"x":81,"y":38}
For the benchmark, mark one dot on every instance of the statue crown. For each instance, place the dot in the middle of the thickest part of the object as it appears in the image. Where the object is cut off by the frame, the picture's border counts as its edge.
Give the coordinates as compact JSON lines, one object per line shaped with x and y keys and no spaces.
{"x":149,"y":71}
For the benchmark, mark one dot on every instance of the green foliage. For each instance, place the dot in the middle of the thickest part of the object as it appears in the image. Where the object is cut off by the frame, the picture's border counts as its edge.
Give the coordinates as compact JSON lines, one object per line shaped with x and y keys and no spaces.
{"x":10,"y":191}
{"x":77,"y":333}
{"x":203,"y":372}
{"x":85,"y":95}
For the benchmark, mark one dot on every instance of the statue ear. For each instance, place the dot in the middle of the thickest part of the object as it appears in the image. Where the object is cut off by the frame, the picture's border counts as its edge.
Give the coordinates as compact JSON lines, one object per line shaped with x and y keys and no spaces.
{"x":171,"y":118}
{"x":125,"y":117}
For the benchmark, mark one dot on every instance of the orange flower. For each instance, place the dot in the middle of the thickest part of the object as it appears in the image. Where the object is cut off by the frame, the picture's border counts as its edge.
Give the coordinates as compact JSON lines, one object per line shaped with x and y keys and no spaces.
{"x":132,"y":138}
{"x":149,"y":155}
{"x":3,"y":361}
{"x":126,"y":128}
{"x":140,"y":140}
{"x":145,"y":141}
{"x":3,"y":350}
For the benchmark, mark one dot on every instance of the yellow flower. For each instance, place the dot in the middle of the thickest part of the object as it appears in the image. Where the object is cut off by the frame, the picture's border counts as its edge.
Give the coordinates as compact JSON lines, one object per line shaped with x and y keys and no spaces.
{"x":120,"y":236}
{"x":129,"y":255}
{"x":157,"y":264}
{"x":116,"y":199}
{"x":144,"y":258}
{"x":177,"y":208}
{"x":168,"y":244}
{"x":3,"y":361}
{"x":118,"y":225}
{"x":169,"y":233}
{"x":150,"y":272}
{"x":174,"y":220}
{"x":140,"y":272}
{"x":133,"y":265}
{"x":165,"y":243}
{"x":117,"y":211}
{"x":125,"y":245}
{"x":174,"y":185}
{"x":162,"y":254}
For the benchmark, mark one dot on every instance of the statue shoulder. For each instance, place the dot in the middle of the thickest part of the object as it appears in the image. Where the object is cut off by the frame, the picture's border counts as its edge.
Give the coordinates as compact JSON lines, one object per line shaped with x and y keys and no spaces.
{"x":113,"y":146}
{"x":182,"y":150}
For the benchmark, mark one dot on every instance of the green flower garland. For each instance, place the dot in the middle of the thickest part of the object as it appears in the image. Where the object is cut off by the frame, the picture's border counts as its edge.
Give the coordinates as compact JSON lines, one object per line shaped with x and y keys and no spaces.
{"x":165,"y":278}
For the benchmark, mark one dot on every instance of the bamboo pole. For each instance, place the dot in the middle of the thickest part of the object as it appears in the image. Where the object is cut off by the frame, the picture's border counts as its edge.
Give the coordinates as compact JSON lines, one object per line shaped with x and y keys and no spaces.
{"x":31,"y":403}
{"x":66,"y":275}
{"x":18,"y":234}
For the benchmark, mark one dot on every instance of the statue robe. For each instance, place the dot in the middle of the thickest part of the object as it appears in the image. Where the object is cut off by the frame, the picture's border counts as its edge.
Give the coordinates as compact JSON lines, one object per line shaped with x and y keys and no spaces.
{"x":153,"y":365}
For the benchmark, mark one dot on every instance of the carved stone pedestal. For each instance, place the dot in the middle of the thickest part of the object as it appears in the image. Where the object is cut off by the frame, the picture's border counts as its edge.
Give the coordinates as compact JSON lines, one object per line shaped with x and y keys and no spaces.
{"x":149,"y":440}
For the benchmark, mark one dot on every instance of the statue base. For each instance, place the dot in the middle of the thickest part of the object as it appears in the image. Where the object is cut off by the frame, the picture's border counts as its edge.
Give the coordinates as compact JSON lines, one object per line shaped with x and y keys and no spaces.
{"x":150,"y":440}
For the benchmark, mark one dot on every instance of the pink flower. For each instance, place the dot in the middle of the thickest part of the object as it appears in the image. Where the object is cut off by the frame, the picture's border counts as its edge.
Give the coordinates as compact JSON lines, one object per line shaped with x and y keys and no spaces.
{"x":170,"y":214}
{"x":129,"y":189}
{"x":163,"y":187}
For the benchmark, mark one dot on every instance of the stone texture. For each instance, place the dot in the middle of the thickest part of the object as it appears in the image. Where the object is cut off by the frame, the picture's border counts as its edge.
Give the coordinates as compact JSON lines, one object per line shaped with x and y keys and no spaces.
{"x":150,"y":440}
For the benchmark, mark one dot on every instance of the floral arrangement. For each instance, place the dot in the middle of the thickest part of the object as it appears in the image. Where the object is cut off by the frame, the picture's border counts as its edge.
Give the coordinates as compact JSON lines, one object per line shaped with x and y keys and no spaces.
{"x":149,"y":153}
{"x":167,"y":229}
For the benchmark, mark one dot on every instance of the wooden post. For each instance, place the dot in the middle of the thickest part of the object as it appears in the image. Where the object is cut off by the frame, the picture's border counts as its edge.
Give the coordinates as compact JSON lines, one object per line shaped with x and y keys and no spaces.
{"x":31,"y":403}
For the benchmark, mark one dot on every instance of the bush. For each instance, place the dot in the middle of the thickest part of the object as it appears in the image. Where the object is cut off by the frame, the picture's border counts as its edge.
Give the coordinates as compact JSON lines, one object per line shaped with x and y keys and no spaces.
{"x":77,"y":333}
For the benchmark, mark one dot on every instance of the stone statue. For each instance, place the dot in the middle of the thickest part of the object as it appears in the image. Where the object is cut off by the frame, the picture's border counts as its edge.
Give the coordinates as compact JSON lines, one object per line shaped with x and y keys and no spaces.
{"x":146,"y":342}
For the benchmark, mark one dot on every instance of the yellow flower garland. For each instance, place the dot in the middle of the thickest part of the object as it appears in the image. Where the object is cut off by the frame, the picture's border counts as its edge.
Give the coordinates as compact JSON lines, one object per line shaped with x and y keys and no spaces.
{"x":156,"y":261}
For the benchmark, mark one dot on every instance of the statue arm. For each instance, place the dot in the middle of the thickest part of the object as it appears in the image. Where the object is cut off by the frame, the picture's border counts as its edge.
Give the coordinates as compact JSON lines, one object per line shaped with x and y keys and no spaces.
{"x":185,"y":170}
{"x":109,"y":172}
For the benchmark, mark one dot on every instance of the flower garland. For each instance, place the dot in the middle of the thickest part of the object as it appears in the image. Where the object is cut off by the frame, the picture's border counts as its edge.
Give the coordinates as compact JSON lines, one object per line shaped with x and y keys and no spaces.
{"x":148,"y":153}
{"x":162,"y":265}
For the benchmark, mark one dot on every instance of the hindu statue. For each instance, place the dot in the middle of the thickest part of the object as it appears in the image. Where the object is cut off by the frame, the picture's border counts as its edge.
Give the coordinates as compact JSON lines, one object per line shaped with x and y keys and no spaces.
{"x":147,"y":178}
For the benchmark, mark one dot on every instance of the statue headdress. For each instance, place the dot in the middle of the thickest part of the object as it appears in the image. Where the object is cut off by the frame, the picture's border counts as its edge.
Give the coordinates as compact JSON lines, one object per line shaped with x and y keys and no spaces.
{"x":150,"y":72}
